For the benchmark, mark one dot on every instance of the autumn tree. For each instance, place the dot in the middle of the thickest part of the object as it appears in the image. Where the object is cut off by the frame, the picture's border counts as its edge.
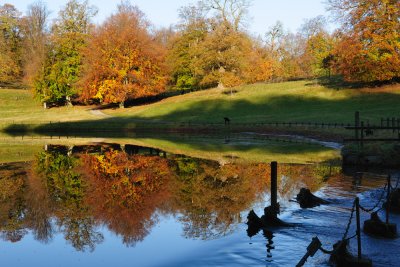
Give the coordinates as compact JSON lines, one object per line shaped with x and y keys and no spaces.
{"x":123,"y":60}
{"x":10,"y":44}
{"x":212,"y":50}
{"x":260,"y":66}
{"x":318,"y":47}
{"x":369,"y":46}
{"x":63,"y":63}
{"x":222,"y":57}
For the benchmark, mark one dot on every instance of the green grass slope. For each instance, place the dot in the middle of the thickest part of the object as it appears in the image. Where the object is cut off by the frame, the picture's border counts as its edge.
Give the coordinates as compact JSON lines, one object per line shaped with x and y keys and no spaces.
{"x":299,"y":101}
{"x":19,"y":106}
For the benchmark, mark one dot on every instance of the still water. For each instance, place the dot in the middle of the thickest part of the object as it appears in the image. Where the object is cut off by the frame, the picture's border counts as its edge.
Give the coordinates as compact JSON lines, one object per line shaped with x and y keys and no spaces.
{"x":112,"y":205}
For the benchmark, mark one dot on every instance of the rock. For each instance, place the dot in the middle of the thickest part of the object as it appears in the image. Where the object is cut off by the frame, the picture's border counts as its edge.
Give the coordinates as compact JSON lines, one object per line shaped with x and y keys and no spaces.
{"x":341,"y":257}
{"x":375,"y":226}
{"x":307,"y":200}
{"x":394,"y":201}
{"x":254,"y":224}
{"x":270,"y":218}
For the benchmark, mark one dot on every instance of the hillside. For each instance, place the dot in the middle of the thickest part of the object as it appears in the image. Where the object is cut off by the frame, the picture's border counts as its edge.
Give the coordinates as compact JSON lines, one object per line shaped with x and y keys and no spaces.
{"x":299,"y":101}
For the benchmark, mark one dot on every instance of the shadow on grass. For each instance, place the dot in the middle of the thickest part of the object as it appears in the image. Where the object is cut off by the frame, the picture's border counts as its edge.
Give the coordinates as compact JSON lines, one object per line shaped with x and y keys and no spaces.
{"x":208,"y":115}
{"x":337,"y":82}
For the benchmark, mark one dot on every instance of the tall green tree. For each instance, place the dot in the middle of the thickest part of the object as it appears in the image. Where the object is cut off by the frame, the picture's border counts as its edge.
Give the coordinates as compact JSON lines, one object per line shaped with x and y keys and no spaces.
{"x":182,"y":55}
{"x":63,"y":64}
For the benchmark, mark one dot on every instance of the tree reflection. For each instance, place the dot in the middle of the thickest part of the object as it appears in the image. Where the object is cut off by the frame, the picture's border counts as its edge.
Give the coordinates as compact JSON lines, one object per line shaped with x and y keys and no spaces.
{"x":210,"y":197}
{"x":39,"y":211}
{"x":65,"y":191}
{"x":12,"y":202}
{"x":125,"y":191}
{"x":74,"y":191}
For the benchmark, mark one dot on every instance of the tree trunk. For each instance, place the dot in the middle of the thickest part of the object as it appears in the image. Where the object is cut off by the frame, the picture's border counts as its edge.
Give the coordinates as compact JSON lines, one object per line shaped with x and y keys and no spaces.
{"x":221,"y":85}
{"x":68,"y":100}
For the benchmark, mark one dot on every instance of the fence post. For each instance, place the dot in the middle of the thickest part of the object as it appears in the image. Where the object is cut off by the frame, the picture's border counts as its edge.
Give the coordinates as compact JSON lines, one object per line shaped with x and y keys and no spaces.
{"x":358,"y":227}
{"x":393,"y":124}
{"x":362,"y":134}
{"x":356,"y":122}
{"x":274,"y":185}
{"x":388,"y":199}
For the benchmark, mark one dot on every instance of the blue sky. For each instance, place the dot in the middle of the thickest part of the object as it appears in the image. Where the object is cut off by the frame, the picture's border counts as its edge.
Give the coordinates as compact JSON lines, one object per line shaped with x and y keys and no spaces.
{"x":263,"y":13}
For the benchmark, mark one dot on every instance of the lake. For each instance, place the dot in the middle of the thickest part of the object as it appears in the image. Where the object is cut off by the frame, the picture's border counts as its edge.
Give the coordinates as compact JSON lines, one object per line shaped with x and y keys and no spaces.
{"x":177,"y":201}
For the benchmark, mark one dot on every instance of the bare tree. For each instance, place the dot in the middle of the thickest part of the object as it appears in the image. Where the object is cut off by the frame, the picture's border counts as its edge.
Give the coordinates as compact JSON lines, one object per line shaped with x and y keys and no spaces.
{"x":313,"y":26}
{"x":231,"y":12}
{"x":273,"y":36}
{"x":35,"y":34}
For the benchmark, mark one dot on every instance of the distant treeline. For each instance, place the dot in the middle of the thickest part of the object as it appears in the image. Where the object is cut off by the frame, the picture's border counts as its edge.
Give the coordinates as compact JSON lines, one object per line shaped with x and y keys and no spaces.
{"x":126,"y":58}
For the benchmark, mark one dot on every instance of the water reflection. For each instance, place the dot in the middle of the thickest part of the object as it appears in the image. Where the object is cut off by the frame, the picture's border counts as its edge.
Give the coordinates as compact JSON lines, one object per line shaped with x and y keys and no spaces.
{"x":270,"y":243}
{"x":77,"y":190}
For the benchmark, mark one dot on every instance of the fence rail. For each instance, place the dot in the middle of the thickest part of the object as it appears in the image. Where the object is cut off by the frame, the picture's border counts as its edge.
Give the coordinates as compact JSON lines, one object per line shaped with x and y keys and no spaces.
{"x":111,"y":126}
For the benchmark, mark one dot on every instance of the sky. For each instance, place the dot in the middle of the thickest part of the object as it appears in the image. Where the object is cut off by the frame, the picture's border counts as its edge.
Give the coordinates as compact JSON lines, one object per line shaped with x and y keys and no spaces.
{"x":263,"y":13}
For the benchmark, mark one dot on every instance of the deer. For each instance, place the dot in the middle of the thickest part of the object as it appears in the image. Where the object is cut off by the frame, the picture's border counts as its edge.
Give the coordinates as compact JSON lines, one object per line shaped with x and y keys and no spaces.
{"x":227,"y":120}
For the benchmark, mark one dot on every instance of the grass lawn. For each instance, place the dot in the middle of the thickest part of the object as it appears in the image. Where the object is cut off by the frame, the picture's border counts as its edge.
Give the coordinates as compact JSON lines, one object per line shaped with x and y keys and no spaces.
{"x":299,"y":101}
{"x":19,"y":106}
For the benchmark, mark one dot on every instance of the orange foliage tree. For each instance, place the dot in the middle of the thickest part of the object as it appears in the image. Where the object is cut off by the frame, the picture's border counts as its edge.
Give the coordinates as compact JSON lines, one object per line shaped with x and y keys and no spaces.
{"x":370,"y":43}
{"x":125,"y":191}
{"x":123,"y":60}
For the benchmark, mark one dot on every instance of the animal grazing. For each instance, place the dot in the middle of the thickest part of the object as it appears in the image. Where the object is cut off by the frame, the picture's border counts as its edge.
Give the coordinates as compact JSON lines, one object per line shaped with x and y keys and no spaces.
{"x":227,"y":121}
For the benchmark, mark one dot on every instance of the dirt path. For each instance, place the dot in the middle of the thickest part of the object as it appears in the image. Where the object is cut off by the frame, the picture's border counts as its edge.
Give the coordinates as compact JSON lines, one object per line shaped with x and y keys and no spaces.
{"x":99,"y":113}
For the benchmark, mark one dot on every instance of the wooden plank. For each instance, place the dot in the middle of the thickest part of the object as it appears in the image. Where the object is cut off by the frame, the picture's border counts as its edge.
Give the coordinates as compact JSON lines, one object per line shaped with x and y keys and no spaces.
{"x":372,"y":140}
{"x":372,"y":128}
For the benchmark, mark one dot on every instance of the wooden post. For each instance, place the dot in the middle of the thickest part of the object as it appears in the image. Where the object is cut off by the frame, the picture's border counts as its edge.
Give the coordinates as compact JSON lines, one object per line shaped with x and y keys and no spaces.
{"x":388,"y":199}
{"x":356,"y":122}
{"x":393,"y":124}
{"x":362,"y":134}
{"x":358,"y":227}
{"x":274,"y":184}
{"x":398,"y":127}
